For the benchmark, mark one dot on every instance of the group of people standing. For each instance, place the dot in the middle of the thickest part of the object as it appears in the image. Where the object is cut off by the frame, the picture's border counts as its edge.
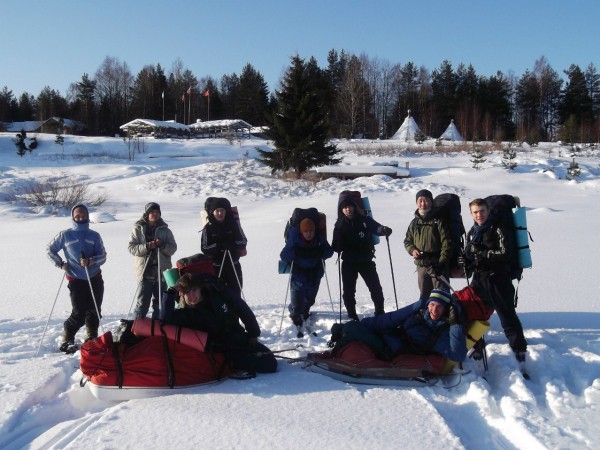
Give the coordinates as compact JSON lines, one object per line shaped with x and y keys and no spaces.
{"x":428,"y":241}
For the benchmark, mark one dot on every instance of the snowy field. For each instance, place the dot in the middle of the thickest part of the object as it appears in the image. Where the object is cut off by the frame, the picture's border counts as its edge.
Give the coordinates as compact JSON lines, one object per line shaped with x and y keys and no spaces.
{"x":43,"y":405}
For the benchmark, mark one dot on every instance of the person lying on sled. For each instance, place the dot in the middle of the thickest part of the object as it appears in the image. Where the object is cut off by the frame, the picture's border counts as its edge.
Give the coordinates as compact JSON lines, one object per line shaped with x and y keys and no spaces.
{"x":205,"y":303}
{"x":433,"y":326}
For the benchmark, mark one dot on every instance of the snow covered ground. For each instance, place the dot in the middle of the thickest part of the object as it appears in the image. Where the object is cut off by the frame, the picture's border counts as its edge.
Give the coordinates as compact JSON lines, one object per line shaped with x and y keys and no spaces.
{"x":43,"y":405}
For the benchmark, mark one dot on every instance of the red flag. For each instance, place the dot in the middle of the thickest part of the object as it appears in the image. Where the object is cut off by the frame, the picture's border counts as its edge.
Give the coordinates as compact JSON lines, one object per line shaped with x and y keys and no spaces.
{"x":206,"y":93}
{"x":189,"y":91}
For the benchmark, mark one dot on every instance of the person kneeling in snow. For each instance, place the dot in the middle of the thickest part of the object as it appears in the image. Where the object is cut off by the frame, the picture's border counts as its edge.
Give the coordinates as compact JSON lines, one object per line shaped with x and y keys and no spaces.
{"x":433,"y":326}
{"x":206,"y":304}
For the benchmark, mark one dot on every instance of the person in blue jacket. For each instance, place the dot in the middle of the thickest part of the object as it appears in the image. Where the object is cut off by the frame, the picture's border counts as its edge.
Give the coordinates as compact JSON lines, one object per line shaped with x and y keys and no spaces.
{"x":83,"y":249}
{"x":307,"y":250}
{"x":433,"y":326}
{"x":205,"y":303}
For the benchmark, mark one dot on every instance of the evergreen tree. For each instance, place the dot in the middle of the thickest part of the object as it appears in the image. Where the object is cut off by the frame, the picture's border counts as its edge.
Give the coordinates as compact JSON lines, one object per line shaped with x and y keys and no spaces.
{"x":60,"y":139}
{"x":577,"y":101}
{"x":477,"y":156}
{"x":252,"y":99}
{"x":573,"y":171}
{"x":509,"y":156}
{"x":299,"y":126}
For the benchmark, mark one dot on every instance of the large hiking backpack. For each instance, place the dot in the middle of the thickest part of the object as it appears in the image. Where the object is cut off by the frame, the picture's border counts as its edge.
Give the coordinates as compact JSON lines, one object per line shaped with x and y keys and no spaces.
{"x":506,"y":212}
{"x":364,"y":207}
{"x":299,"y":214}
{"x":447,"y":209}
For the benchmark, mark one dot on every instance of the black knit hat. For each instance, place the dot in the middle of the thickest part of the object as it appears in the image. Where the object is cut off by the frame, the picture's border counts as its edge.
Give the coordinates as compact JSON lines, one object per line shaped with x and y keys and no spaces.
{"x":151,"y":207}
{"x":424,"y":193}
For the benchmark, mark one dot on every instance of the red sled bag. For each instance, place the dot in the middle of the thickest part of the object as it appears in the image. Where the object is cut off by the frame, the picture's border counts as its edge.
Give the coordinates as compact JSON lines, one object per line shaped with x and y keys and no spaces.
{"x":198,"y":263}
{"x":146,"y":327}
{"x":473,"y":305}
{"x":154,"y":362}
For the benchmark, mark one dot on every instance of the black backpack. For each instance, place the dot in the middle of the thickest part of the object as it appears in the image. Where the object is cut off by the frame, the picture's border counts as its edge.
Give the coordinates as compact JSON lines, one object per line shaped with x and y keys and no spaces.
{"x":447,"y":209}
{"x":501,"y":213}
{"x":299,"y":214}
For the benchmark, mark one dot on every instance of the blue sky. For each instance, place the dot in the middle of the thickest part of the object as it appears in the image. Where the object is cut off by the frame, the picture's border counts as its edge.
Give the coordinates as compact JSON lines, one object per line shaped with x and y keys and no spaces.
{"x":55,"y":43}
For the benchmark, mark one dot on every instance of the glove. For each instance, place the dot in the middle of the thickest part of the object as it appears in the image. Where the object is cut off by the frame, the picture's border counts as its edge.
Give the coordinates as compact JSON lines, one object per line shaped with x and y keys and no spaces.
{"x":453,"y":316}
{"x":384,"y":231}
{"x":64,"y":266}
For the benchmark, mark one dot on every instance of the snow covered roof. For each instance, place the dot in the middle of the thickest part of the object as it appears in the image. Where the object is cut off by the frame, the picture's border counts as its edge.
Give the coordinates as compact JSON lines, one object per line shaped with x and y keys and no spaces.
{"x":407,"y":130}
{"x":231,"y":124}
{"x":150,"y":124}
{"x":451,"y":133}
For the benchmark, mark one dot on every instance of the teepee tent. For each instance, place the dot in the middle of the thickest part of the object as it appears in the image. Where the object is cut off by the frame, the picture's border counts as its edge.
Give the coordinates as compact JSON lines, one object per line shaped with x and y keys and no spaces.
{"x":407,"y":130}
{"x":451,"y":133}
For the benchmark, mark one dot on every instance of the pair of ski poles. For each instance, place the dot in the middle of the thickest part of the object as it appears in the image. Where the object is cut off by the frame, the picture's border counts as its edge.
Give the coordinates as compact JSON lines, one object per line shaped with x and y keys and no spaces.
{"x":87,"y":273}
{"x":387,"y":239}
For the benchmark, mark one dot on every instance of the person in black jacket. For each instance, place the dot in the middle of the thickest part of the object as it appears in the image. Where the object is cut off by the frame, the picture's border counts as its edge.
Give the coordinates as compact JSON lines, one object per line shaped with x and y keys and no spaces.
{"x":352,"y":237}
{"x":206,"y":304}
{"x":486,"y":254}
{"x":223,"y":240}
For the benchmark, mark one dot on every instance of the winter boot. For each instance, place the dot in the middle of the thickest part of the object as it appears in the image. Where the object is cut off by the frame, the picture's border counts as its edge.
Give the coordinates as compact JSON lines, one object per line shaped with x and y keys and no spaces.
{"x":91,"y":332}
{"x":68,"y":340}
{"x":351,"y":309}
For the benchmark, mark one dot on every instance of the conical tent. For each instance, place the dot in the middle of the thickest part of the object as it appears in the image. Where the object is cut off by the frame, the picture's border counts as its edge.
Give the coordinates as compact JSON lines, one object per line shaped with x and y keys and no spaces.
{"x":407,"y":130}
{"x":451,"y":133}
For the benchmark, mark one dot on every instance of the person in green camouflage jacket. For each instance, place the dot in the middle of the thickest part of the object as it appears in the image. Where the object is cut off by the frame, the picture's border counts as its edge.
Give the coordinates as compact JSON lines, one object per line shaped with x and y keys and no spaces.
{"x":429,"y":242}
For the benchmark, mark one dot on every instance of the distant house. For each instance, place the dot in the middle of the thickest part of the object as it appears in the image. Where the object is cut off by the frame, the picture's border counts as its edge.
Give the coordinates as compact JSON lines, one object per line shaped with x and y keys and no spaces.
{"x":50,"y":126}
{"x":225,"y":127}
{"x":156,"y":128}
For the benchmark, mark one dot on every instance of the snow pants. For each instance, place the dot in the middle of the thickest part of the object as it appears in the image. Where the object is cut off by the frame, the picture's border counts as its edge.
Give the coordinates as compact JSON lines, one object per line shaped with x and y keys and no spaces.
{"x":498,"y":289}
{"x":303,"y":294}
{"x":147,"y":293}
{"x":83,"y":309}
{"x":368,"y":271}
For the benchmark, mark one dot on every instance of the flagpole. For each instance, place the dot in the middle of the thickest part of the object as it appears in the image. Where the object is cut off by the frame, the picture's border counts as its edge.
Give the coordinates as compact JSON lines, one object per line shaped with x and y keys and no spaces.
{"x":208,"y":115}
{"x":190,"y":107}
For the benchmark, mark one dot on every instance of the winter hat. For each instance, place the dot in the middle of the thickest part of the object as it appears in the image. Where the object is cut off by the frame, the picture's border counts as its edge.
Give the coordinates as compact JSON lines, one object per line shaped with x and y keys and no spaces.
{"x":152,"y":207}
{"x":440,"y":296}
{"x":424,"y":193}
{"x":307,"y":225}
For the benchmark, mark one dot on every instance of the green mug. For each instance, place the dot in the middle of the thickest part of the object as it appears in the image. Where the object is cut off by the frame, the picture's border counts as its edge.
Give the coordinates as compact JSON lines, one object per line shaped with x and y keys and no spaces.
{"x":171,"y":276}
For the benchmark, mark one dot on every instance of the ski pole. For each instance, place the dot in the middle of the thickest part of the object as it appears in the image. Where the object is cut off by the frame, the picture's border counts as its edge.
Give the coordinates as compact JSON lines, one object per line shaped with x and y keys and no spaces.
{"x":138,"y":287}
{"x":387,"y":239}
{"x":286,"y":297}
{"x":51,"y":311}
{"x":222,"y":264}
{"x":87,"y":274}
{"x":159,"y":278}
{"x":340,"y":283}
{"x":446,"y":282}
{"x":237,"y":278}
{"x":328,"y":290}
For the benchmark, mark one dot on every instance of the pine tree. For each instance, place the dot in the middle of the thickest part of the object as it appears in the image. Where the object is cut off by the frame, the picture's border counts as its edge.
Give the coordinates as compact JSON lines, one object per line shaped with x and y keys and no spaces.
{"x":299,"y":126}
{"x":477,"y":156}
{"x":60,"y":139}
{"x":509,"y":156}
{"x":573,"y":171}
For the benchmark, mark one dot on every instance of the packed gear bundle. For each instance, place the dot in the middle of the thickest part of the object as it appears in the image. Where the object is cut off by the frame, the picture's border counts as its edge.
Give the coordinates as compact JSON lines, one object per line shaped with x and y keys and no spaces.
{"x":447,"y":209}
{"x":506,"y":212}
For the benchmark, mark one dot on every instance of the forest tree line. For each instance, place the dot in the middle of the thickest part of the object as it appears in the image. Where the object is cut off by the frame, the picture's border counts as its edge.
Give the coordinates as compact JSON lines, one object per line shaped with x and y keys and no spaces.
{"x":362,"y":96}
